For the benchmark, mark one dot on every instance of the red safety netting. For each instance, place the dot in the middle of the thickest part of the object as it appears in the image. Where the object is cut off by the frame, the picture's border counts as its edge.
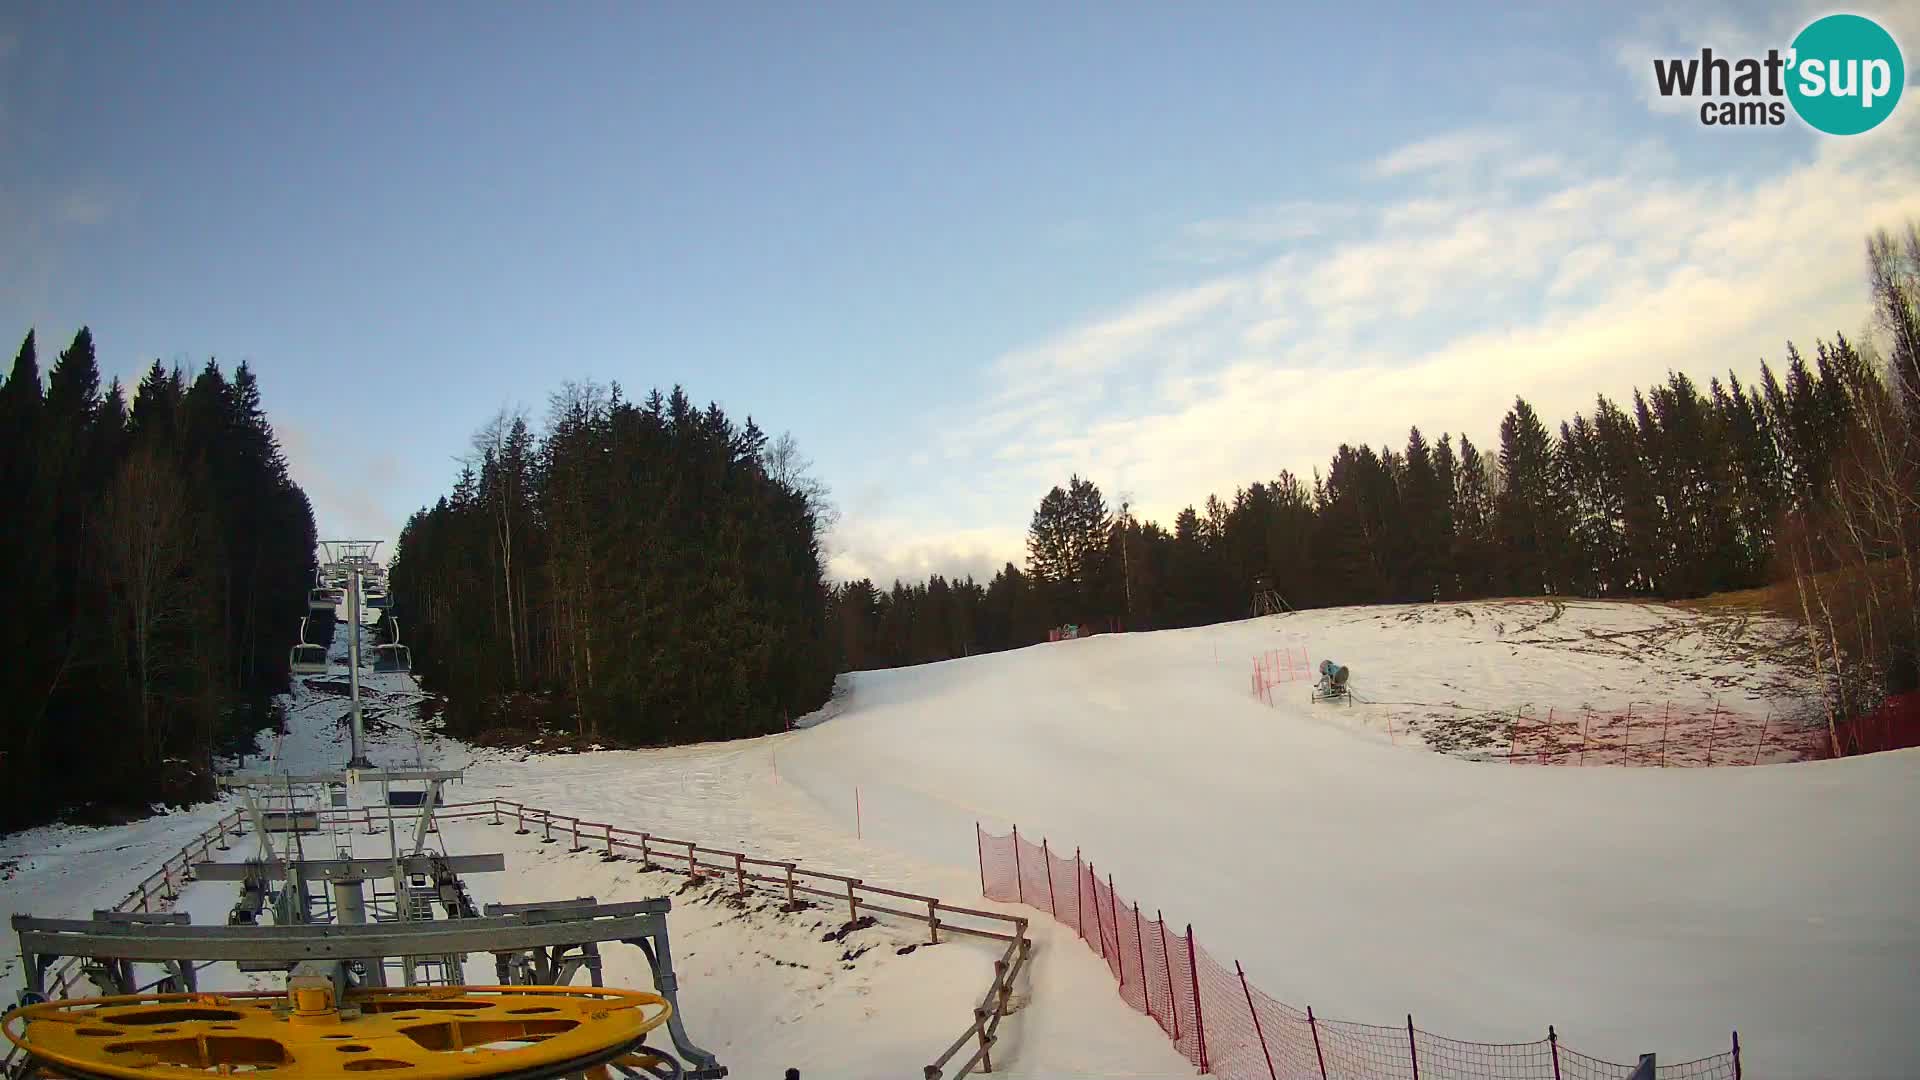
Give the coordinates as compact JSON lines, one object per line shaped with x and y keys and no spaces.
{"x":1226,"y":1026}
{"x":1667,"y":734}
{"x":1277,"y":666}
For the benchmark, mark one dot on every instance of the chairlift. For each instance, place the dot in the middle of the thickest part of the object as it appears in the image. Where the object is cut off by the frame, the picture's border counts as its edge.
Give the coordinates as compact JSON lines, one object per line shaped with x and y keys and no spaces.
{"x":322,"y":599}
{"x":393,"y":656}
{"x":307,"y":658}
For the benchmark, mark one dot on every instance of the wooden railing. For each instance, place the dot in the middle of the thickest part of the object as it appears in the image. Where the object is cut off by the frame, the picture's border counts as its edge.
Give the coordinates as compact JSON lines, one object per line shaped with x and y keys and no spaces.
{"x":779,"y":877}
{"x":161,"y":886}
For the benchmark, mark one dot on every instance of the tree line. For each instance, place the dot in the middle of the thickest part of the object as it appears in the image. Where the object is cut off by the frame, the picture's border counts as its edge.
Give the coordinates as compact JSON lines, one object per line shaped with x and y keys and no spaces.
{"x":638,"y":573}
{"x":1679,"y":491}
{"x":157,"y":558}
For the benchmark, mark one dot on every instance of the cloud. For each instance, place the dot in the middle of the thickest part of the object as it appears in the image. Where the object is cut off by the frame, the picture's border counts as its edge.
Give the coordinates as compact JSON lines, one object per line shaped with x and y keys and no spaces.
{"x":886,"y":549}
{"x":1226,"y":239}
{"x":1600,"y":280}
{"x":1452,"y":151}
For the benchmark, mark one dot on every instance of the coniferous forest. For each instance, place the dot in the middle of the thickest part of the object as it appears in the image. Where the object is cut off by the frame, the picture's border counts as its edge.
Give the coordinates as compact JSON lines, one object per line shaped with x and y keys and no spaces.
{"x":651,"y":566}
{"x":157,"y":557}
{"x":1808,"y":476}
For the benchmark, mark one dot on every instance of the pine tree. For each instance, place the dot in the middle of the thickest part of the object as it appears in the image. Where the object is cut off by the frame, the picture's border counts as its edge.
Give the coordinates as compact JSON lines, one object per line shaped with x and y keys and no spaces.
{"x":1530,"y":526}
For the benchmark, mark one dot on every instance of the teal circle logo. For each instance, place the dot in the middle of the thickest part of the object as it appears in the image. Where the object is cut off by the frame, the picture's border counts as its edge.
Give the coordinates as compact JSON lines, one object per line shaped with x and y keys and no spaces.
{"x":1846,"y":74}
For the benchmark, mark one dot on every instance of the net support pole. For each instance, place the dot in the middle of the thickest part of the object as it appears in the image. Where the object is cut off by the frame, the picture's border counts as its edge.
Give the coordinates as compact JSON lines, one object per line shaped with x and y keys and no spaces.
{"x":1313,"y":1026}
{"x":980,"y":850}
{"x":1140,"y":953}
{"x":1200,"y":1021}
{"x":1166,"y":961}
{"x":1046,"y":860}
{"x":1019,"y":885}
{"x":1413,"y":1049}
{"x":1255,"y":1013}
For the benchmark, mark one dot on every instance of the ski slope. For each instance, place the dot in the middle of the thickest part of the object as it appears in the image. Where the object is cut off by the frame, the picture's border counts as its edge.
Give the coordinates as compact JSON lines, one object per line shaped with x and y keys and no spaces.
{"x":1637,"y":909}
{"x":1347,"y":868}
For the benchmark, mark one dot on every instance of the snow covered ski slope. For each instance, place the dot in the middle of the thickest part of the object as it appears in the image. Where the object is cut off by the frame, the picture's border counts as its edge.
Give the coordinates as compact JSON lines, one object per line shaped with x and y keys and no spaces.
{"x":1634,"y":908}
{"x":1359,"y":872}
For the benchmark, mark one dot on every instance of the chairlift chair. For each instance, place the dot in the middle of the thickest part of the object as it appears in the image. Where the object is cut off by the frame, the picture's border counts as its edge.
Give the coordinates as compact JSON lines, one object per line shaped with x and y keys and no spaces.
{"x":393,"y":656}
{"x":321,"y":600}
{"x":307,"y":658}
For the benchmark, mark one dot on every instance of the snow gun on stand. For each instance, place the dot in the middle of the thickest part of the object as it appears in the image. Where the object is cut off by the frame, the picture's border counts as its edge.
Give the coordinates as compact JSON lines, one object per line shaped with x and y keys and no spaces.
{"x":1332,"y":684}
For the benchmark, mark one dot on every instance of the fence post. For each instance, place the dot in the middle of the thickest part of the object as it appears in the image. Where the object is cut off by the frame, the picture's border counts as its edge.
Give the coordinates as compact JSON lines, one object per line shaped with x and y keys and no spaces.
{"x":853,"y":905}
{"x":1413,"y":1051}
{"x":646,"y":857}
{"x":1079,"y":895}
{"x":1713,"y":724}
{"x":1736,"y":1056}
{"x":1140,"y":950}
{"x":546,"y":827}
{"x":790,"y":898}
{"x":1166,"y":960}
{"x":1199,"y":1022}
{"x":693,"y":862}
{"x":740,"y":872}
{"x":519,"y":819}
{"x":576,"y":835}
{"x":610,"y":853}
{"x":1099,"y":934}
{"x":1513,"y":734}
{"x":496,"y":810}
{"x":1553,"y":1044}
{"x":979,"y":850}
{"x":1314,"y":1027}
{"x":1255,"y":1013}
{"x":1113,"y":906}
{"x":1665,"y":726}
{"x":1019,"y":886}
{"x":1046,"y":859}
{"x":1762,"y":739}
{"x":933,"y":922}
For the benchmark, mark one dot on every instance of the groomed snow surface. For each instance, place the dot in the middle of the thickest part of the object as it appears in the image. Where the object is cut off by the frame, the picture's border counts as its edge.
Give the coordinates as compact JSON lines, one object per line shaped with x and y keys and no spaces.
{"x":1363,"y":873}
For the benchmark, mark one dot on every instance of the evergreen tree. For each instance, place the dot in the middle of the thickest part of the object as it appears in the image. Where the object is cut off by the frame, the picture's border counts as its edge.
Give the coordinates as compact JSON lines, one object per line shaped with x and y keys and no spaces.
{"x":1530,"y":526}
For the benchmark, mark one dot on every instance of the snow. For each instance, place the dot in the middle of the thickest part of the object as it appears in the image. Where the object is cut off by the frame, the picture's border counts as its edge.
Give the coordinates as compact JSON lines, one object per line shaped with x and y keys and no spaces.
{"x":1332,"y":851}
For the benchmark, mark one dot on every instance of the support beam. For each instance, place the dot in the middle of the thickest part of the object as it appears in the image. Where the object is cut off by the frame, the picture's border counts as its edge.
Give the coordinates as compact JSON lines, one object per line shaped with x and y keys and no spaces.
{"x":361,"y":869}
{"x":637,"y":920}
{"x":281,"y":782}
{"x":426,"y":817}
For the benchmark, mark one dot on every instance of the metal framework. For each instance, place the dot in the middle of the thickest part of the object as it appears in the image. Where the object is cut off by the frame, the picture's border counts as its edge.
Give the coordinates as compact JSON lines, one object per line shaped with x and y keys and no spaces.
{"x":528,"y":941}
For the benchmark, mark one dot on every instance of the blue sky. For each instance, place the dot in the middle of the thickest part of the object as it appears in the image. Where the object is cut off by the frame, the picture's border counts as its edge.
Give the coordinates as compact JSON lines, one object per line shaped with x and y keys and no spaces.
{"x":960,"y":252}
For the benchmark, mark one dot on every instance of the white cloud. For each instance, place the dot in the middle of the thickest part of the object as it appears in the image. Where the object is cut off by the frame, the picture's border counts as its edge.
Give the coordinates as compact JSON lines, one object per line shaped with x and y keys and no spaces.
{"x":1438,"y":317}
{"x":1454,"y":150}
{"x":1261,"y":230}
{"x":885,"y":549}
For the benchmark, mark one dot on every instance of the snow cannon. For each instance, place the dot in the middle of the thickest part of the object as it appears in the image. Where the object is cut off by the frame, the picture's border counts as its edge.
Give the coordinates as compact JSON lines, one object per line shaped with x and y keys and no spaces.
{"x":1332,"y":684}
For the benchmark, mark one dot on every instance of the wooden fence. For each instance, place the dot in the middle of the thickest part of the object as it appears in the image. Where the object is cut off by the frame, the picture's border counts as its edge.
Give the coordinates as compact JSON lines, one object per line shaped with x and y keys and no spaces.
{"x":780,"y":877}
